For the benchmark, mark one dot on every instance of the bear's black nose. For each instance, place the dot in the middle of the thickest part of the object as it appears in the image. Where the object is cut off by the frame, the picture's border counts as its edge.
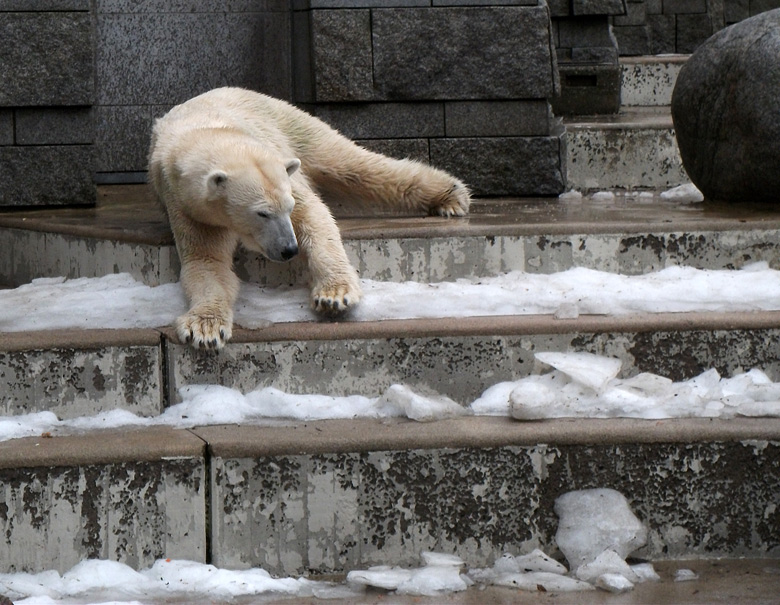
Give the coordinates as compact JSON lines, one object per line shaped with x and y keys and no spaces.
{"x":289,"y":252}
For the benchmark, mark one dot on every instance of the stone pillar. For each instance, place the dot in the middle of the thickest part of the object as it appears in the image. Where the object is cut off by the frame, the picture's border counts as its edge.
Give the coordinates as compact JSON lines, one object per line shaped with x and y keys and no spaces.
{"x":587,"y":55}
{"x":461,"y":84}
{"x":47,"y":92}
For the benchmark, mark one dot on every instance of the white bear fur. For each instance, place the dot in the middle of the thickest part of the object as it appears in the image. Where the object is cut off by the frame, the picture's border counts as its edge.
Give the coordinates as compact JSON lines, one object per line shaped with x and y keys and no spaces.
{"x":234,"y":166}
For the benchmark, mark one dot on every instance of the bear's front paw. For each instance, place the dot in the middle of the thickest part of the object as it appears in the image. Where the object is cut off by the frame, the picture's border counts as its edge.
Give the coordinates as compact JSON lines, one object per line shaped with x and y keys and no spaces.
{"x":455,"y":202}
{"x":335,"y":298}
{"x":204,"y":331}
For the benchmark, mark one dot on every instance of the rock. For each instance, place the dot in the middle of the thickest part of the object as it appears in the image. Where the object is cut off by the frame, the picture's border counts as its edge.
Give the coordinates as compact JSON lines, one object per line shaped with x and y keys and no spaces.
{"x":726,"y":112}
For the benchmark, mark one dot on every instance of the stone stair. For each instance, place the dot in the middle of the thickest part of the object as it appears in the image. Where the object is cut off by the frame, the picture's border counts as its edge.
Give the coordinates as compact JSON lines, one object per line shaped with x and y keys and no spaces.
{"x":329,"y":496}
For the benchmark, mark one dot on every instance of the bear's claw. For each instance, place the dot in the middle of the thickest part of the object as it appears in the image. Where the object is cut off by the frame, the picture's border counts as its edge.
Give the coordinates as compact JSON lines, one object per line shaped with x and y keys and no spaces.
{"x":204,"y":331}
{"x":335,"y":300}
{"x":456,"y":202}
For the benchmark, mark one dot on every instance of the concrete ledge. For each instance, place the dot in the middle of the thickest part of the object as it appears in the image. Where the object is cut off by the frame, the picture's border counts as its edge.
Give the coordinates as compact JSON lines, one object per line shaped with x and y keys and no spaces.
{"x":366,"y":435}
{"x":101,"y":447}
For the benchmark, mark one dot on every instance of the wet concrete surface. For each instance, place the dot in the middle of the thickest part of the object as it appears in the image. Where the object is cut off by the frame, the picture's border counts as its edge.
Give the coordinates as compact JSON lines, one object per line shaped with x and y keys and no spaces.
{"x":130,"y":213}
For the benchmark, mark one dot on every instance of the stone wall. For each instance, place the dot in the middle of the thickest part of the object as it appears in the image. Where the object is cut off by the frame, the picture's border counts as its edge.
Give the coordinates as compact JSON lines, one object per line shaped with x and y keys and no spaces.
{"x":416,"y":78}
{"x":678,"y":26}
{"x":46,"y":128}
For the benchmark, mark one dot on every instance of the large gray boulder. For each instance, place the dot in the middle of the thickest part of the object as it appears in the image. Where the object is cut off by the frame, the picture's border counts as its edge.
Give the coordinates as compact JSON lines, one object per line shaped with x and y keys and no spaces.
{"x":726,"y":112}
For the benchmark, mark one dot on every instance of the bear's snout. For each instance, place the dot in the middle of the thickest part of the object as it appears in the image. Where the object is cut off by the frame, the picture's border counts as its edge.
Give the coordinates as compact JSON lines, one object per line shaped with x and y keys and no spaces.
{"x":289,"y":252}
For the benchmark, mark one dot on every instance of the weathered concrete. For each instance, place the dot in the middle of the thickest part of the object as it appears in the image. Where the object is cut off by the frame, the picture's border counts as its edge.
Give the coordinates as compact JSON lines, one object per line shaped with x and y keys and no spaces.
{"x":634,"y":150}
{"x":130,"y":496}
{"x":335,"y":496}
{"x":462,"y":358}
{"x":649,"y":81}
{"x":81,"y":373}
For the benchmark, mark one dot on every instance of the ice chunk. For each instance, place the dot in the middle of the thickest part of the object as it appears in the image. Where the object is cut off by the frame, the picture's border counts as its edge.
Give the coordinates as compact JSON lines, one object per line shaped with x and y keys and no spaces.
{"x":614,"y":582}
{"x":683,"y":194}
{"x":594,"y":520}
{"x":440,"y":574}
{"x":608,"y":562}
{"x":536,"y":560}
{"x":420,"y":407}
{"x":685,"y":575}
{"x":594,"y":371}
{"x":494,"y":401}
{"x":570,"y":196}
{"x":645,"y":572}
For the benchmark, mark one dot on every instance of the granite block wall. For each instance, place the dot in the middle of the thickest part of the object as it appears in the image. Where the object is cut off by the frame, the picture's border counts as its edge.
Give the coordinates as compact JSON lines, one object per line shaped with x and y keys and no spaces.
{"x":46,"y":130}
{"x":413,"y":78}
{"x":153,"y":55}
{"x":678,"y":26}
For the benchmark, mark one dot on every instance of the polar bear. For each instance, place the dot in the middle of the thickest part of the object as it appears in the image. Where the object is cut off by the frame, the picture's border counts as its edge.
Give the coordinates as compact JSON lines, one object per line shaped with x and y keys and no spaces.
{"x":233,"y":166}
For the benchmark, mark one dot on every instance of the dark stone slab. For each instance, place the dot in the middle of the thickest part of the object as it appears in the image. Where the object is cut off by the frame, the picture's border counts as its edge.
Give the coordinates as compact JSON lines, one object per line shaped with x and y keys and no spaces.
{"x":191,"y":6}
{"x":584,"y":32}
{"x":10,"y":6}
{"x":46,"y":59}
{"x":413,"y":149}
{"x":149,"y":59}
{"x":383,"y":120}
{"x":662,"y":34}
{"x":54,"y":126}
{"x":497,"y":118}
{"x":588,"y":89}
{"x":692,"y":31}
{"x":122,"y":136}
{"x":595,"y":54}
{"x":341,"y":55}
{"x":673,"y":7}
{"x":319,"y":4}
{"x":634,"y":40}
{"x":726,"y":112}
{"x":504,"y":165}
{"x":46,"y":175}
{"x":598,"y":7}
{"x":440,"y":53}
{"x":559,"y":8}
{"x":6,"y":127}
{"x":636,"y":14}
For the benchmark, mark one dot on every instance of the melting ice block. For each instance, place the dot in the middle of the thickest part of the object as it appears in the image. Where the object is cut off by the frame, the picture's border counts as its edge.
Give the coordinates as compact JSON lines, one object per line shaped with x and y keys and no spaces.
{"x":594,"y":520}
{"x":593,"y":371}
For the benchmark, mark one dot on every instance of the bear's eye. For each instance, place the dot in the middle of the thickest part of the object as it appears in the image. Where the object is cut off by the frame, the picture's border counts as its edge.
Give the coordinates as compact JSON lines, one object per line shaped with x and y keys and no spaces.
{"x":263,"y":215}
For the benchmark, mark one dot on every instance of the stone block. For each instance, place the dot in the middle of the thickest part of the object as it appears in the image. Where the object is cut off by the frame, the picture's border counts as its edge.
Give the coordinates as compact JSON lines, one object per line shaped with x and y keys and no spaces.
{"x":559,"y":8}
{"x":158,"y":59}
{"x":84,"y":379}
{"x":131,"y":497}
{"x":692,"y":31}
{"x":653,"y":7}
{"x":122,"y":136}
{"x":588,"y":90}
{"x":633,"y":40}
{"x":191,"y":6}
{"x":595,"y":54}
{"x":439,"y":53}
{"x":341,"y":56}
{"x":584,"y":32}
{"x":46,"y":59}
{"x":663,"y":35}
{"x":674,"y":7}
{"x":413,"y":149}
{"x":598,"y":7}
{"x":495,"y":166}
{"x":636,"y":14}
{"x":383,"y":120}
{"x":54,"y":126}
{"x":10,"y":6}
{"x":47,"y":175}
{"x":6,"y":127}
{"x":736,"y":10}
{"x":497,"y":118}
{"x":324,"y":4}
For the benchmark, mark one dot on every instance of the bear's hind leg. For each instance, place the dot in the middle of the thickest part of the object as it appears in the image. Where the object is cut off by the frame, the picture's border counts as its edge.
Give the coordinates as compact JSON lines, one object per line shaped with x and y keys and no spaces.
{"x":374,"y":178}
{"x":335,"y":284}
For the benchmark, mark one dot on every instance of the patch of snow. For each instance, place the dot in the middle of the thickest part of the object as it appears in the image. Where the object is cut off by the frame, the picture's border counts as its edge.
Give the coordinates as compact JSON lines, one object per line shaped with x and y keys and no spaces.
{"x":687,"y":193}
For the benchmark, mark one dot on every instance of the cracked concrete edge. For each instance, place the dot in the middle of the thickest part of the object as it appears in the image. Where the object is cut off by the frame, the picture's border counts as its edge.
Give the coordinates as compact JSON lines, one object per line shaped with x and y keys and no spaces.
{"x":149,"y":444}
{"x":367,"y":435}
{"x":507,"y":325}
{"x":370,"y":435}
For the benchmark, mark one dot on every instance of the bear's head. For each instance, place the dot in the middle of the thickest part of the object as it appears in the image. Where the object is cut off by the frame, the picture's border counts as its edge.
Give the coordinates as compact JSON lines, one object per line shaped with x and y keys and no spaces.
{"x":249,"y":191}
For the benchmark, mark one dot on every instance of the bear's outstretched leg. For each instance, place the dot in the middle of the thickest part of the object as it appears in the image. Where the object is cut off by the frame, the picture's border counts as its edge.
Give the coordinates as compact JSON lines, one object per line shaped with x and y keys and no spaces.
{"x":335,"y":285}
{"x":211,"y":286}
{"x":338,"y":166}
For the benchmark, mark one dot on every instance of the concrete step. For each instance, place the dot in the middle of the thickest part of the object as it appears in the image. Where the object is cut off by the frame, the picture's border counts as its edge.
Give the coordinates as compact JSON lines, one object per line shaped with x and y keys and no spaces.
{"x":635,"y":149}
{"x":329,"y":496}
{"x":631,"y":234}
{"x":649,"y":80}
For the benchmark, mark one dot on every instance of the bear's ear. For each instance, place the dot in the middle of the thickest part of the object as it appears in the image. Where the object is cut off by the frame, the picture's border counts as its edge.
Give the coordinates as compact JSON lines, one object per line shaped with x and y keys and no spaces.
{"x":292,"y":165}
{"x":216,"y":182}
